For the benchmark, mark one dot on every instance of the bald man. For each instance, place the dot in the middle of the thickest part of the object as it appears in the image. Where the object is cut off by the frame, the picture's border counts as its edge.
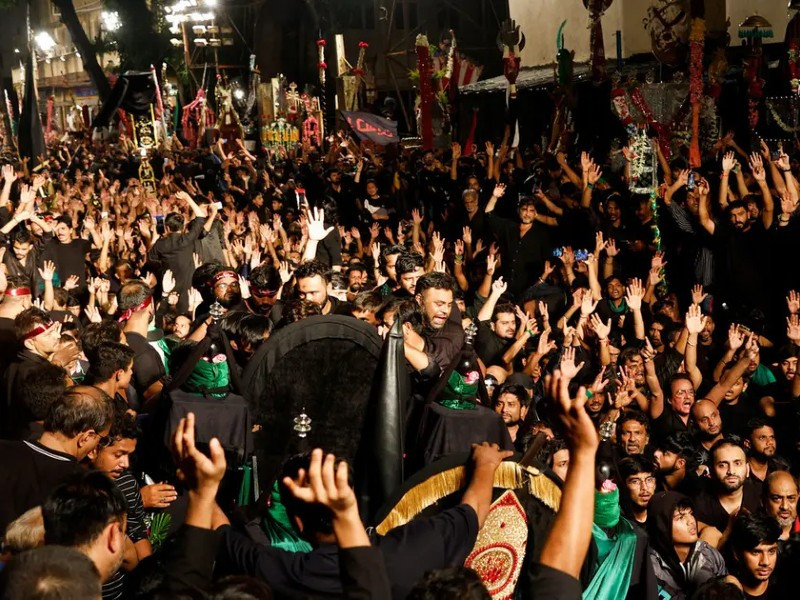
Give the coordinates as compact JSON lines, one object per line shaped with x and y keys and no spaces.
{"x":780,"y":501}
{"x":709,"y":422}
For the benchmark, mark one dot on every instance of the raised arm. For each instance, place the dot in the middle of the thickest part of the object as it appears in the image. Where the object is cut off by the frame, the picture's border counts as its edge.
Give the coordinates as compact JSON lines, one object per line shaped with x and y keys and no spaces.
{"x":316,"y":232}
{"x":456,"y":150}
{"x":760,"y":175}
{"x":497,"y":193}
{"x":704,"y":212}
{"x":633,"y":297}
{"x":728,"y":163}
{"x":568,"y":541}
{"x":717,"y":393}
{"x":561,"y":157}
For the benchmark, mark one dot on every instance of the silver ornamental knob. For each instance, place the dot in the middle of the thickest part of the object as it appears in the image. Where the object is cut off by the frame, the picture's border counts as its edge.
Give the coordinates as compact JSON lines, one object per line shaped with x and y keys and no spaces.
{"x":302,"y":424}
{"x":216,"y":311}
{"x":606,"y":430}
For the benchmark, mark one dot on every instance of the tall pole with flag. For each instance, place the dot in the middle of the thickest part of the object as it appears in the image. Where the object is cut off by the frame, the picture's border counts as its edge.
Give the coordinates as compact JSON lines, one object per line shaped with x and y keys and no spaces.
{"x":31,"y":136}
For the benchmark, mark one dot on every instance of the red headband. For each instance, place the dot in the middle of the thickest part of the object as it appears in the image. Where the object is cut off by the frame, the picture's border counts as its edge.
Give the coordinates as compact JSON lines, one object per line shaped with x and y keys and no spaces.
{"x":129,"y":313}
{"x":263,"y":293}
{"x":222,"y":274}
{"x":20,"y":291}
{"x":38,"y":330}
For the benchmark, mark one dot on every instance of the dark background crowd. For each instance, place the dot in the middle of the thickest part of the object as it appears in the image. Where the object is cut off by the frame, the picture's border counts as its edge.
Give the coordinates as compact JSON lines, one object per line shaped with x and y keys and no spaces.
{"x":645,"y":345}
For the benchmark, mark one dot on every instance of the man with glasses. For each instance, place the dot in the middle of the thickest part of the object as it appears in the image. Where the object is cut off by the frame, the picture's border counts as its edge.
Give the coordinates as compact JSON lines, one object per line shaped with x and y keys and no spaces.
{"x":31,"y":470}
{"x":639,"y":475}
{"x":674,"y":417}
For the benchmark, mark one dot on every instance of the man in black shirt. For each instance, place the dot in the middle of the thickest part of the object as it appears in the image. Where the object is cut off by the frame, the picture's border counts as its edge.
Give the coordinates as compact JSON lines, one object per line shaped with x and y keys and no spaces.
{"x":497,"y":324}
{"x":524,"y":245}
{"x":136,"y":304}
{"x":68,"y":252}
{"x":731,"y":489}
{"x":175,"y":249}
{"x":31,"y":470}
{"x":754,"y":541}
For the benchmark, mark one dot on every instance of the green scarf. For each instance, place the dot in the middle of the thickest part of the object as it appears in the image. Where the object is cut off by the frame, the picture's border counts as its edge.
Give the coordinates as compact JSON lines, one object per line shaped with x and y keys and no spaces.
{"x":209,"y":378}
{"x":457,"y":393}
{"x":623,"y":306}
{"x":279,"y":530}
{"x":615,"y":553}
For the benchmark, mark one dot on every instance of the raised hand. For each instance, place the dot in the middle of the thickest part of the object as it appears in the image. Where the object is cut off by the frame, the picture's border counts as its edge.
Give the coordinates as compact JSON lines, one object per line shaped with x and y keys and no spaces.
{"x":793,"y":329}
{"x":48,"y":270}
{"x":757,"y":167}
{"x":71,"y":283}
{"x":654,"y":276}
{"x":466,"y":235}
{"x":599,"y":384}
{"x":9,"y":174}
{"x":194,"y":299}
{"x":455,"y":148}
{"x":284,"y":272}
{"x":594,"y":174}
{"x":599,"y":243}
{"x":735,"y":337}
{"x":783,"y":161}
{"x":788,"y":204}
{"x":196,"y":260}
{"x":499,"y":287}
{"x":634,"y":295}
{"x":545,"y":345}
{"x":499,"y":190}
{"x":588,"y":304}
{"x":544,"y":313}
{"x":695,"y":321}
{"x":93,"y":314}
{"x":682,"y":178}
{"x":374,"y":231}
{"x":586,"y":162}
{"x":603,"y":330}
{"x":244,"y":286}
{"x":568,"y":367}
{"x":728,"y":162}
{"x":793,"y":302}
{"x":578,"y":427}
{"x":611,"y":248}
{"x":316,"y":227}
{"x":324,"y":484}
{"x":648,"y":352}
{"x":491,"y":264}
{"x":698,"y":295}
{"x":168,"y":282}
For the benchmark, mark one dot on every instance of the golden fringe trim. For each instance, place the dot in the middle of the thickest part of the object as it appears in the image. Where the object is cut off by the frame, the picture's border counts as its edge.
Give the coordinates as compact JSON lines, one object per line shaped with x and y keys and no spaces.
{"x":509,"y":476}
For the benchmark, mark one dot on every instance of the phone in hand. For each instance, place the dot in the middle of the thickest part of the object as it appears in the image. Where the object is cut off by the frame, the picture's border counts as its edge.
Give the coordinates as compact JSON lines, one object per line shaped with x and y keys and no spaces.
{"x":692,"y":183}
{"x":775,"y":155}
{"x":581,"y":255}
{"x":558,"y":252}
{"x":218,"y":205}
{"x":160,"y":224}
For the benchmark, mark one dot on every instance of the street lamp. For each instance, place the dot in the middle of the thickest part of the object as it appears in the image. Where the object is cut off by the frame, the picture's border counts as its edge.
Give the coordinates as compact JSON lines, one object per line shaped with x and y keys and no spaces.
{"x":45,"y":41}
{"x":111,"y":21}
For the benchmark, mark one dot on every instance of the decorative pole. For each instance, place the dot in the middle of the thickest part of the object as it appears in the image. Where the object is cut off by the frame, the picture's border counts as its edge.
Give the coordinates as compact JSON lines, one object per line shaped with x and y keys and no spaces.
{"x":425,"y":92}
{"x":322,"y":66}
{"x":697,"y":38}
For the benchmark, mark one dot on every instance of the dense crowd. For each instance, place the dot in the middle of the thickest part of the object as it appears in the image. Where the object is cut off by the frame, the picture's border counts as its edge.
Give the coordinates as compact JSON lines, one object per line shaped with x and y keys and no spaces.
{"x":648,"y":347}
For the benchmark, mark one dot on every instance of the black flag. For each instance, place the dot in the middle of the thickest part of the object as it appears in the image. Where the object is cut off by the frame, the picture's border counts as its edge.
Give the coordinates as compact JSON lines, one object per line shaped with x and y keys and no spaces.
{"x":31,"y":136}
{"x":372,"y":127}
